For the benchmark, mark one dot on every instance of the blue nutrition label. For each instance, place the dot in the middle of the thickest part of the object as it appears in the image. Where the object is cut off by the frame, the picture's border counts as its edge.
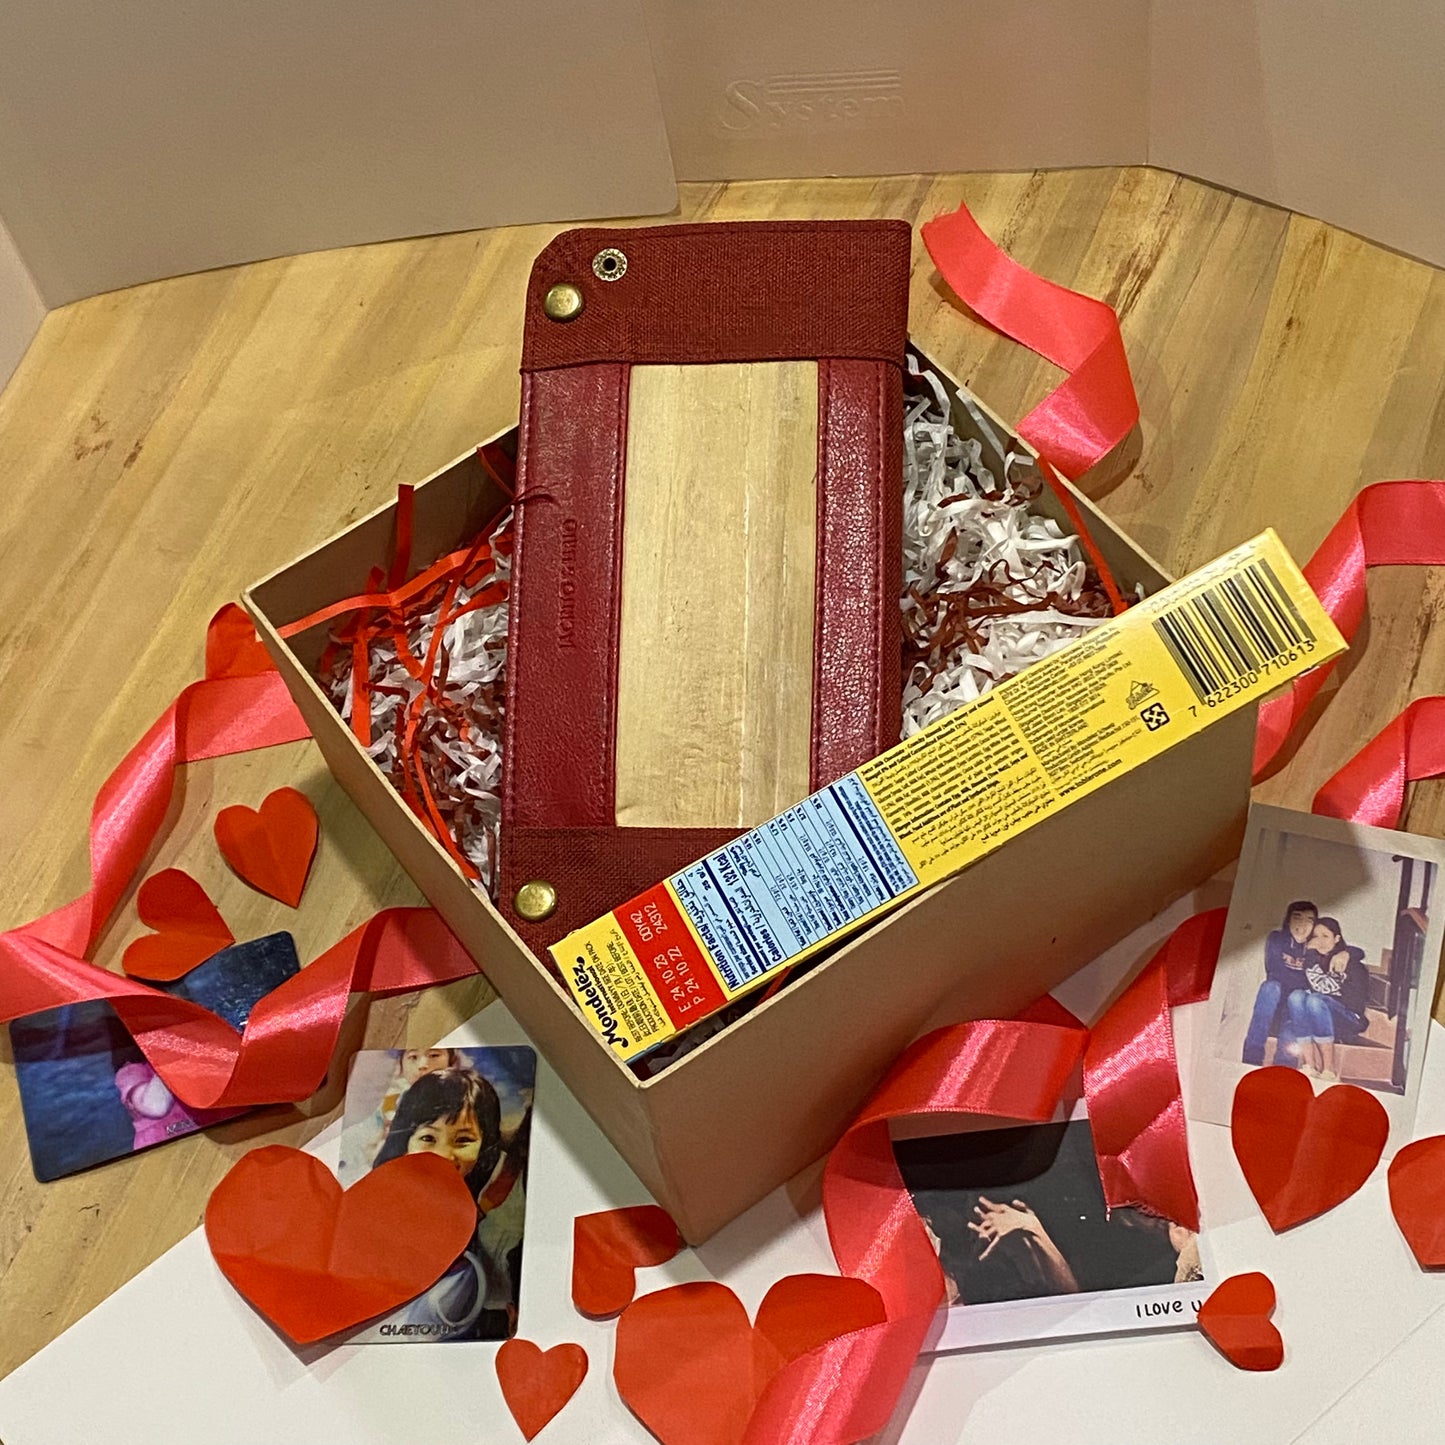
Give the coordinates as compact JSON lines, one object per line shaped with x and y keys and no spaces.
{"x":792,"y":882}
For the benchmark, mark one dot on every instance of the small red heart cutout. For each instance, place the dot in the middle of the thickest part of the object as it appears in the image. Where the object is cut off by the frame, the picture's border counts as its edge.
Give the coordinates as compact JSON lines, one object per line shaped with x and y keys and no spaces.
{"x":609,"y":1247}
{"x":314,"y":1259}
{"x":537,"y":1383}
{"x":188,"y":927}
{"x":717,"y":1365}
{"x":272,"y":846}
{"x":1302,"y":1154}
{"x":1417,"y":1198}
{"x":1236,"y":1318}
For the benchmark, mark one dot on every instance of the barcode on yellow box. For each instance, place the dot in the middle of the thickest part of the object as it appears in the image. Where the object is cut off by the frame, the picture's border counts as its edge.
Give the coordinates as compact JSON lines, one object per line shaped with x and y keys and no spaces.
{"x":1212,"y":643}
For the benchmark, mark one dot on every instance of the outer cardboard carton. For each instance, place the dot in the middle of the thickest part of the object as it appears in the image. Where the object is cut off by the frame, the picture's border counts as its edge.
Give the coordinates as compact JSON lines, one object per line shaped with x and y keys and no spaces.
{"x":729,"y":1122}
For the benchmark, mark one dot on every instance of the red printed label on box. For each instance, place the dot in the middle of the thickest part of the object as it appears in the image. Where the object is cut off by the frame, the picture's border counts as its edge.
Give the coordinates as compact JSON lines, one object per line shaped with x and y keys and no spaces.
{"x":670,"y":957}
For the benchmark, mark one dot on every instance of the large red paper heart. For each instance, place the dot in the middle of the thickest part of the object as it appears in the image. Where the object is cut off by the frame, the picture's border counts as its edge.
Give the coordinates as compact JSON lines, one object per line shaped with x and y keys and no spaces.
{"x":1303,"y":1154}
{"x":609,"y":1247}
{"x":692,"y":1369}
{"x":537,"y":1383}
{"x":189,"y":928}
{"x":315,"y":1260}
{"x":271,"y":847}
{"x":1417,"y":1198}
{"x":1236,"y":1318}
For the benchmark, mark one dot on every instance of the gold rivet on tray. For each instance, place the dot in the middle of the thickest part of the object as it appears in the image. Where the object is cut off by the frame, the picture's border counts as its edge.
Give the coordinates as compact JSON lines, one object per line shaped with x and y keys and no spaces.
{"x":609,"y":265}
{"x":535,"y":900}
{"x":563,"y":302}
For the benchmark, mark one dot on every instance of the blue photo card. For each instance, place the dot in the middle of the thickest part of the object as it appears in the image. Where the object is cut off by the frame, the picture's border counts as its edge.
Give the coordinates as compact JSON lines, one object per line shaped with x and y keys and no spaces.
{"x":86,"y":1090}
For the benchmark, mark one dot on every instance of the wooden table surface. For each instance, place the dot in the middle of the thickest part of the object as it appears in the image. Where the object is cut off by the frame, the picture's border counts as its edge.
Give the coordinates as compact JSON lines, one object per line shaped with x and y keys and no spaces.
{"x":162,"y":447}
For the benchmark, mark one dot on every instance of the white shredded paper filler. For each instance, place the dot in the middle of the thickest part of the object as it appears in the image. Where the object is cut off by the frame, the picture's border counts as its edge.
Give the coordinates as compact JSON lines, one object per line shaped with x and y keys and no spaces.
{"x":989,"y":586}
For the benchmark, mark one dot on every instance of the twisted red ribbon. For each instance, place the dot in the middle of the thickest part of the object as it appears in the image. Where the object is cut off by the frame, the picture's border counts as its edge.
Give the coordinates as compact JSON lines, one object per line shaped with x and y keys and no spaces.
{"x":1398,"y":524}
{"x":241,"y":704}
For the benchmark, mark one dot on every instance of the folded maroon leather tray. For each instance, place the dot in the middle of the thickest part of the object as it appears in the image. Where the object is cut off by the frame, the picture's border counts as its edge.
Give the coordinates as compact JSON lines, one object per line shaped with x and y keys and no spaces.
{"x":599,"y":302}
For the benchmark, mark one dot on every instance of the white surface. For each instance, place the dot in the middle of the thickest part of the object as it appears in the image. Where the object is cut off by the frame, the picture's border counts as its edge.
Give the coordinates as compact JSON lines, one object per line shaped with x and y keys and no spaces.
{"x":176,"y":1357}
{"x":154,"y":137}
{"x":21,"y":309}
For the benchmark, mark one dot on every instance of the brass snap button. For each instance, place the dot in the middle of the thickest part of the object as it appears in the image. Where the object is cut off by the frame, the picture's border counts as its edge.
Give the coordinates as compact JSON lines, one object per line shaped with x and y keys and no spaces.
{"x":535,"y":900}
{"x":563,"y":302}
{"x":609,"y":265}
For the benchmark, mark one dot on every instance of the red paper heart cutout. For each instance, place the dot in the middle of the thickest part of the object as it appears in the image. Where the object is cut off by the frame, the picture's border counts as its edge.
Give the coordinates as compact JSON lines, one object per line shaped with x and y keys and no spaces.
{"x":232,"y":647}
{"x":315,"y":1260}
{"x":1303,"y":1154}
{"x":188,"y":927}
{"x":537,"y":1383}
{"x":609,"y":1247}
{"x":271,"y":847}
{"x":1236,"y":1318}
{"x":1417,"y":1198}
{"x":690,"y":1367}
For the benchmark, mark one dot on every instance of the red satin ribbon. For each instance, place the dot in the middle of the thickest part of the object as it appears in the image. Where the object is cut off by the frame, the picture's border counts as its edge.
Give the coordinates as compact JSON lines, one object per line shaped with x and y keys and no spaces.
{"x":241,"y":704}
{"x":1095,"y":407}
{"x":1370,"y":788}
{"x":1131,"y":1077}
{"x":845,"y":1391}
{"x":286,"y":1049}
{"x":1016,"y":1069}
{"x":1388,"y":524}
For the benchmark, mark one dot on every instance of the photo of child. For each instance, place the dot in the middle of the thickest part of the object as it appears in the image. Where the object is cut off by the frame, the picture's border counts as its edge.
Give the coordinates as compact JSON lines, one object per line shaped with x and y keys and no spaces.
{"x":1328,"y":962}
{"x":472,"y":1108}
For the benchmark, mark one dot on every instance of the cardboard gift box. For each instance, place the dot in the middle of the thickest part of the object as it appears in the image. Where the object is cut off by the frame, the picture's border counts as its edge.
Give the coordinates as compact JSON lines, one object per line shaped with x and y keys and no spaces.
{"x":726,"y":1123}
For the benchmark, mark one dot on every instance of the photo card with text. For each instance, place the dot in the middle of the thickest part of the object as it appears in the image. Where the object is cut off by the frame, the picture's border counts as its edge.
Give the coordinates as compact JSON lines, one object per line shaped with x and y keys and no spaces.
{"x":1029,"y":1249}
{"x":473,"y":1108}
{"x":1328,"y":963}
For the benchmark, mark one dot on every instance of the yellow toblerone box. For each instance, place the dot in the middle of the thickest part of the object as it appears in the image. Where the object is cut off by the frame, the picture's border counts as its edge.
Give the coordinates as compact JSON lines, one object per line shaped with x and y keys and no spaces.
{"x":1214,"y":642}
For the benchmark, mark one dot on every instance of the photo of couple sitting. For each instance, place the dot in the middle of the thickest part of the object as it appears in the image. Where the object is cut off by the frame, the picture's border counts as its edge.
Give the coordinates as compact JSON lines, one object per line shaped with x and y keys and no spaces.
{"x":1314,"y":995}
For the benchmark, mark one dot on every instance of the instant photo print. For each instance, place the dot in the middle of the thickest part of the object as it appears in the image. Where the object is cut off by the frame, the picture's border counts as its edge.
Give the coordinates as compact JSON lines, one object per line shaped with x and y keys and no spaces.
{"x":473,"y":1108}
{"x":1028,"y":1247}
{"x":1328,"y":963}
{"x":86,"y":1090}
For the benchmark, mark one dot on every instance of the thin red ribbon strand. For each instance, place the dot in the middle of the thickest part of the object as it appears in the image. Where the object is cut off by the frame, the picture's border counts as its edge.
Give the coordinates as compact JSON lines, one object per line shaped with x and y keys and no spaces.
{"x":241,"y":704}
{"x":1400,"y":524}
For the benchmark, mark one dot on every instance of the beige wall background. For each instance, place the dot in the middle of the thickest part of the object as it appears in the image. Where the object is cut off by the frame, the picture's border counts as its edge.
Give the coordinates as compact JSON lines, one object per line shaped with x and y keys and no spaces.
{"x":1325,"y":107}
{"x":162,"y":136}
{"x":165,"y":136}
{"x":21,"y":309}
